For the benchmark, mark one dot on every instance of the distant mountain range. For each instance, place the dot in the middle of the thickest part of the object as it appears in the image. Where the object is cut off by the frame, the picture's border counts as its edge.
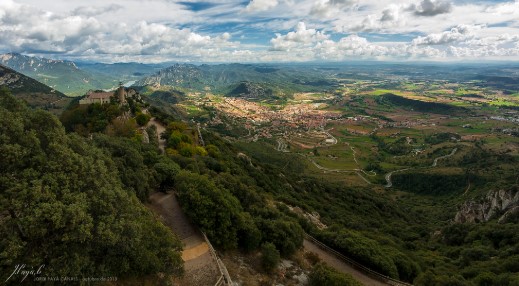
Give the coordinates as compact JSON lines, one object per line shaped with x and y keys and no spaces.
{"x":36,"y":94}
{"x":254,"y":81}
{"x":125,"y":72}
{"x":75,"y":79}
{"x":64,"y":76}
{"x":241,"y":79}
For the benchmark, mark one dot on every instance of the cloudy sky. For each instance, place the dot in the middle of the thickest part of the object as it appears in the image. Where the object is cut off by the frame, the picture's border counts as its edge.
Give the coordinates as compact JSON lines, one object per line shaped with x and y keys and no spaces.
{"x":261,"y":30}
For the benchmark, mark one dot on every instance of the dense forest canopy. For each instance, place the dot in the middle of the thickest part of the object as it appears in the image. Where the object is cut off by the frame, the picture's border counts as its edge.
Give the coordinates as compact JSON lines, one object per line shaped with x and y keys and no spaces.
{"x":65,"y":204}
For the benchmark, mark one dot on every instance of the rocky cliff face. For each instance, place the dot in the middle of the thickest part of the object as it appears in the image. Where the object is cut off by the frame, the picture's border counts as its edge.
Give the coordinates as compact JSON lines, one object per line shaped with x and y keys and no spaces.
{"x":502,"y":204}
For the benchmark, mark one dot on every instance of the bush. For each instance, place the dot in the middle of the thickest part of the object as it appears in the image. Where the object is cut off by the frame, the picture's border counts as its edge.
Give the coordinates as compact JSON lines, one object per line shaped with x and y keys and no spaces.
{"x":324,"y":275}
{"x":485,"y":279}
{"x":142,"y":119}
{"x":269,"y":257}
{"x":212,"y":208}
{"x":366,"y":251}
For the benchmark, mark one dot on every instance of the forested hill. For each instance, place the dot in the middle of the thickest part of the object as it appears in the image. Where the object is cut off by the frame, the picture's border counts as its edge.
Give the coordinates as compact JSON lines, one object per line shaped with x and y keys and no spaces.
{"x":75,"y":203}
{"x":65,"y":205}
{"x":36,"y":94}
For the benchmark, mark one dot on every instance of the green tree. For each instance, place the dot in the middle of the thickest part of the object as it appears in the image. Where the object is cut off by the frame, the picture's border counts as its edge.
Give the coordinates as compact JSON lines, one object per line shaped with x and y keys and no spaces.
{"x":130,"y":162}
{"x":142,"y":119}
{"x":67,"y":208}
{"x":166,"y":170}
{"x":269,"y":257}
{"x":214,"y":209}
{"x":324,"y":275}
{"x":120,"y":127}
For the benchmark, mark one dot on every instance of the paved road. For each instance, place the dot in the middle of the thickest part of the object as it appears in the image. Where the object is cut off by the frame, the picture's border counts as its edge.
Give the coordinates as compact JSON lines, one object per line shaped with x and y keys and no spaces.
{"x":389,"y":183}
{"x":357,"y":171}
{"x":200,"y":267}
{"x":331,"y":136}
{"x":340,"y":265}
{"x":442,"y":157}
{"x":282,"y":146}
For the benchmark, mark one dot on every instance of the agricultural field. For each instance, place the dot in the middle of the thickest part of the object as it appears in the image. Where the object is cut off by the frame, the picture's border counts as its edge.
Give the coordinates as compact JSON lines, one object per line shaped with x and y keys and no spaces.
{"x":391,"y":158}
{"x":363,"y":130}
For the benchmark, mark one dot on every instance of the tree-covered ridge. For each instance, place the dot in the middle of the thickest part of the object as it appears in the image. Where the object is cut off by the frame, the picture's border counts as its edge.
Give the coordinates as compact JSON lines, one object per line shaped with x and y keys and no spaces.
{"x":64,"y":205}
{"x":215,"y":190}
{"x":34,"y":93}
{"x":234,"y":209}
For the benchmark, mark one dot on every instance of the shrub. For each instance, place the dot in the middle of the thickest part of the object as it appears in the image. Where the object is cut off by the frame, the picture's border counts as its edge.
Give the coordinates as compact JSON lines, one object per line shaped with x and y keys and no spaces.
{"x":269,"y":257}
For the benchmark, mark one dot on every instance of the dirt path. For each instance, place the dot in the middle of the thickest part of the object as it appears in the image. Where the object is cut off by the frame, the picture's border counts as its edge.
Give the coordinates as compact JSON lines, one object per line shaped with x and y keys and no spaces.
{"x":340,"y":265}
{"x":200,"y":267}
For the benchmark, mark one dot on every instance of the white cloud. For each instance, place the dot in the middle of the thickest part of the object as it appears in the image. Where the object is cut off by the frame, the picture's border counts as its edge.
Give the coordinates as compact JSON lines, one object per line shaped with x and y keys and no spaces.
{"x":390,"y":17}
{"x":310,"y":44}
{"x":459,"y":42}
{"x":96,"y":11}
{"x":507,"y":8}
{"x":30,"y":30}
{"x":457,"y":34}
{"x":431,"y":7}
{"x":329,"y":8}
{"x":155,"y":30}
{"x":391,"y":13}
{"x":296,"y":39}
{"x":260,"y":5}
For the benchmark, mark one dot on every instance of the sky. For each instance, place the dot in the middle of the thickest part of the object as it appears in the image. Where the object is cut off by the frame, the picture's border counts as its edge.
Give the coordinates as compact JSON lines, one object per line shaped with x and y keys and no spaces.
{"x":261,"y":30}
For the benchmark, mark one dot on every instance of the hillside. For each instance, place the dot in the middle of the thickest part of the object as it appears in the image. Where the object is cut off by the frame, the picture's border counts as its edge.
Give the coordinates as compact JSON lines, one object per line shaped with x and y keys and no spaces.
{"x":225,"y":77}
{"x":36,"y":94}
{"x":422,"y":106}
{"x":68,"y":205}
{"x":64,"y":76}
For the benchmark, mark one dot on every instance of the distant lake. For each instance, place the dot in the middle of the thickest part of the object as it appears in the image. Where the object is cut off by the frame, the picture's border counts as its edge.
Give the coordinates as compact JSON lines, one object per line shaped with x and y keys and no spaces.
{"x":130,"y":83}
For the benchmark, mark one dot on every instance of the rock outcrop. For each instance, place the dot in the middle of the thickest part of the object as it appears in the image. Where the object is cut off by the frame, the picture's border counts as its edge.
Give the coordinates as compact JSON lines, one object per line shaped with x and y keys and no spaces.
{"x":503,"y":204}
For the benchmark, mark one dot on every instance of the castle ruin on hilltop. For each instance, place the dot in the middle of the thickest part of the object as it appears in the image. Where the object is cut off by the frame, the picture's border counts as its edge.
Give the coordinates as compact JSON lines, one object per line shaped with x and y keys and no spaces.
{"x":103,"y":97}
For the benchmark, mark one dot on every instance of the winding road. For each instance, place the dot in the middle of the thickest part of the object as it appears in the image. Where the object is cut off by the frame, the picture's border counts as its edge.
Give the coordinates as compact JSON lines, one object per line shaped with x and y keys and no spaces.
{"x":445,"y":156}
{"x":357,"y":171}
{"x":389,"y":183}
{"x":330,"y":135}
{"x":282,"y":146}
